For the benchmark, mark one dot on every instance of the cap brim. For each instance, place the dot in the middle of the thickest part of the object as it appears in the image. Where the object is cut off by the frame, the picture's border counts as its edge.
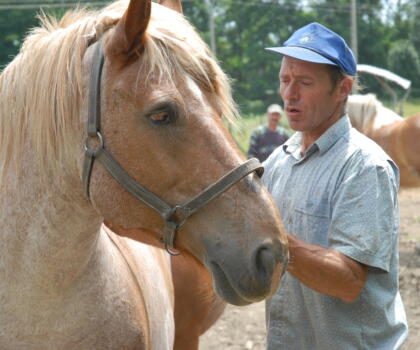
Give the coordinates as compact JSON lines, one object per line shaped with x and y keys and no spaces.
{"x":301,"y":53}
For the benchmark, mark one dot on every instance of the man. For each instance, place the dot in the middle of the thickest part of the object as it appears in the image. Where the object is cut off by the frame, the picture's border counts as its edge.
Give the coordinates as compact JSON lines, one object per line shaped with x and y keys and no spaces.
{"x":266,"y":138}
{"x":337,"y":194}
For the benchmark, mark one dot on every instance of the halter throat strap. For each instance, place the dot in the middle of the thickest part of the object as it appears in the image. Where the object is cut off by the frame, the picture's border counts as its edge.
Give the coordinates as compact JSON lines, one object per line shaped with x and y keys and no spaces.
{"x":174,"y":216}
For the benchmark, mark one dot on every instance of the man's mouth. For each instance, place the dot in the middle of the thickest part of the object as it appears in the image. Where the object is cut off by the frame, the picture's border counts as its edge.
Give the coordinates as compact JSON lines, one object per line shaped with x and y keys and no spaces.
{"x":293,"y":111}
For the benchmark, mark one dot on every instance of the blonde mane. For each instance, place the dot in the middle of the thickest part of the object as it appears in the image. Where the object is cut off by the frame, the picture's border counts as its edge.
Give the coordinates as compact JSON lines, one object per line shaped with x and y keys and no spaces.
{"x":367,"y":113}
{"x":362,"y":109}
{"x":41,"y":89}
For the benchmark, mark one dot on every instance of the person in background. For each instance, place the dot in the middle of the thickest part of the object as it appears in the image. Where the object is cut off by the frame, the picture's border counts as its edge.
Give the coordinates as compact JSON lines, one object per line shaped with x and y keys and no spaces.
{"x":337,"y":192}
{"x":266,"y":138}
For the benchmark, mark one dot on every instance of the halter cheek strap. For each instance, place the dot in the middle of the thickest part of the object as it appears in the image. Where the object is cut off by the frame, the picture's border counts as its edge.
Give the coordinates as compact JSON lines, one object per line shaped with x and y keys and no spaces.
{"x":174,"y":216}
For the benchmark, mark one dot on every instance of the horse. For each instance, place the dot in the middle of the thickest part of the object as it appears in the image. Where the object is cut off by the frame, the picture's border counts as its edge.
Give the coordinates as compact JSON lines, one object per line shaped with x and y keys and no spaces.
{"x":118,"y":116}
{"x":399,"y":137}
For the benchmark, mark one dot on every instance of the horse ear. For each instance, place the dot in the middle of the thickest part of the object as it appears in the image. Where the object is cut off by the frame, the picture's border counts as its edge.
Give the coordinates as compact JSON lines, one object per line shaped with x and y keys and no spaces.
{"x":129,"y":33}
{"x":172,"y":4}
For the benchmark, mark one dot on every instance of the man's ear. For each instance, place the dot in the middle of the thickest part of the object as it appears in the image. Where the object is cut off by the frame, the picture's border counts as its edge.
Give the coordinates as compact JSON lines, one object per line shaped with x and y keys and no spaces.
{"x":345,"y":88}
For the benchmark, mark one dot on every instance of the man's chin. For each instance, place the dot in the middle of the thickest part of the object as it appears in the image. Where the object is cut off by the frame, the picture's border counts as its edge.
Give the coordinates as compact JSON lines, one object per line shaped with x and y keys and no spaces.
{"x":296,"y":126}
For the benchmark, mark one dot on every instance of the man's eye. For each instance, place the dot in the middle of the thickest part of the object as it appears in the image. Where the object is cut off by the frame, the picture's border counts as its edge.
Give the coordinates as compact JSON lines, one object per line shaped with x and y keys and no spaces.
{"x":160,"y":118}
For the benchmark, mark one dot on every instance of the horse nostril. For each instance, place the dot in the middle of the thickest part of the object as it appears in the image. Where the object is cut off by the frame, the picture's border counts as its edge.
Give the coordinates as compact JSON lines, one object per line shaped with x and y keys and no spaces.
{"x":265,"y":262}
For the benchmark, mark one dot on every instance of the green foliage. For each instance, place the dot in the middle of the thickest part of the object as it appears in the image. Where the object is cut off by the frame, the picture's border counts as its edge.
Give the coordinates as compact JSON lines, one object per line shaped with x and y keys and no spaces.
{"x":243,"y":28}
{"x":250,"y":27}
{"x":14,"y":25}
{"x":412,"y":107}
{"x":403,"y":59}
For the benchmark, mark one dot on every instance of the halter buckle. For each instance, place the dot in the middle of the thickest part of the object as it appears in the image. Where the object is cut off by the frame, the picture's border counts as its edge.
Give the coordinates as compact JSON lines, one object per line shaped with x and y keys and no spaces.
{"x":93,"y":148}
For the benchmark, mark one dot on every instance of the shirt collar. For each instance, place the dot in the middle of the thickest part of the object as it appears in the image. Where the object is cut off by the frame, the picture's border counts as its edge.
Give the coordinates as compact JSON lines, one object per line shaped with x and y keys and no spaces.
{"x":333,"y":134}
{"x":323,"y":144}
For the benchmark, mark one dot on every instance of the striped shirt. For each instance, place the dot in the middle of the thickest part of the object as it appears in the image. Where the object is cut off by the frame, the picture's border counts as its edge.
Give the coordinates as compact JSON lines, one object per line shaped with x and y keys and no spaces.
{"x":341,"y":194}
{"x":264,"y":141}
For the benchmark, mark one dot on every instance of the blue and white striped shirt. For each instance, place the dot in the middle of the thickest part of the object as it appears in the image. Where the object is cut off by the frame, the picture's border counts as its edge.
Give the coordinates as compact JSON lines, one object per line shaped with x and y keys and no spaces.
{"x":341,"y":194}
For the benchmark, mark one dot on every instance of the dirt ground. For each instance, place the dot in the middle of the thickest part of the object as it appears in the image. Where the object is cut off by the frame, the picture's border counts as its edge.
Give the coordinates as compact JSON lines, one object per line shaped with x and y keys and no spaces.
{"x":243,"y":328}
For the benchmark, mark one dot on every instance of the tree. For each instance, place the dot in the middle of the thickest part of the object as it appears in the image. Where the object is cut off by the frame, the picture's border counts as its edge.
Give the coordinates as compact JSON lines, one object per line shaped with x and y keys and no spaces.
{"x":243,"y":28}
{"x":403,"y":59}
{"x":14,"y":25}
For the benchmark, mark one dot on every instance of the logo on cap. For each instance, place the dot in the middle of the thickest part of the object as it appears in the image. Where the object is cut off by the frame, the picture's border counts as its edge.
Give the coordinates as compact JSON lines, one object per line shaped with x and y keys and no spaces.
{"x":306,"y":39}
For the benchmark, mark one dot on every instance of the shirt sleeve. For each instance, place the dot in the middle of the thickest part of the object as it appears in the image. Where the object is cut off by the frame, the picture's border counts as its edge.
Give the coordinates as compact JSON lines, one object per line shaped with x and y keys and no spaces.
{"x":253,"y":145}
{"x":270,"y":167}
{"x":365,"y":212}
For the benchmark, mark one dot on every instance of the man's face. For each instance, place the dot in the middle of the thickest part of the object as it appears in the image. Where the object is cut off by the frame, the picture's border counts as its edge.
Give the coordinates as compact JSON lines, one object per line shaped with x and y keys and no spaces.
{"x":311,"y":102}
{"x":273,"y":118}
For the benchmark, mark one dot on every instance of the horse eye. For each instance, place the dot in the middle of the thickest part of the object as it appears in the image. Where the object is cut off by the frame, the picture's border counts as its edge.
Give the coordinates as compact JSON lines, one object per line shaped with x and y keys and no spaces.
{"x":163,"y":113}
{"x":160,"y":118}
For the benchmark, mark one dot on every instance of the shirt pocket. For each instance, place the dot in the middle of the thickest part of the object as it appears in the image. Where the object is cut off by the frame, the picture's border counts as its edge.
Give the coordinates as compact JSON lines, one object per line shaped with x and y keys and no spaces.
{"x":314,"y":221}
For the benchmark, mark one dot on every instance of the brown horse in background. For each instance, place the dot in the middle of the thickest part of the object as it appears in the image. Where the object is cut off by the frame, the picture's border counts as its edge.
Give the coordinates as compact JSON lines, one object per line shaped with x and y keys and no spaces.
{"x":399,"y":137}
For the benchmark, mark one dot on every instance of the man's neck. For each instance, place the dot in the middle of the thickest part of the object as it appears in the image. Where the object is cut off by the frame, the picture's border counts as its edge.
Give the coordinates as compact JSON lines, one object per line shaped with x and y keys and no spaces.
{"x":272,"y":127}
{"x":309,"y":137}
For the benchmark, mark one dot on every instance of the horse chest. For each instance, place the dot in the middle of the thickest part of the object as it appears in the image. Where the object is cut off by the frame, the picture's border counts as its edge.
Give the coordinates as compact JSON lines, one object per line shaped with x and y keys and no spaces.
{"x":104,"y":309}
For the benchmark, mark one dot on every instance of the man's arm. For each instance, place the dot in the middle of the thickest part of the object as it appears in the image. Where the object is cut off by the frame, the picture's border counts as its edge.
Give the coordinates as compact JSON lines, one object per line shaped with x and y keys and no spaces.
{"x":326,"y":271}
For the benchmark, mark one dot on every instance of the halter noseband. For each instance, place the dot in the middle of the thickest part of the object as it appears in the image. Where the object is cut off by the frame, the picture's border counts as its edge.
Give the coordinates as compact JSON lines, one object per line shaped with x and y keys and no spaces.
{"x":174,"y":216}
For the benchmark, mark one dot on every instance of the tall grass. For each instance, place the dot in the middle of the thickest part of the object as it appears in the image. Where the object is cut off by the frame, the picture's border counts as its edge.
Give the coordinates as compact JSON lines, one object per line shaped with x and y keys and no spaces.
{"x":412,"y":107}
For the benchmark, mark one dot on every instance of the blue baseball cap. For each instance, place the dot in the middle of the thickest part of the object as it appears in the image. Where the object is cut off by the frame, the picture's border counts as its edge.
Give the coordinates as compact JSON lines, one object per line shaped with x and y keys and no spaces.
{"x":318,"y":44}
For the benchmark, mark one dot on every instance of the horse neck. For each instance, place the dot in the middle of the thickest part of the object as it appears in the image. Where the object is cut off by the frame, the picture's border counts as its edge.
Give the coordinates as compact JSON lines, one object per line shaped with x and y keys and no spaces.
{"x":361,"y":120}
{"x":386,"y":116}
{"x":46,"y":230}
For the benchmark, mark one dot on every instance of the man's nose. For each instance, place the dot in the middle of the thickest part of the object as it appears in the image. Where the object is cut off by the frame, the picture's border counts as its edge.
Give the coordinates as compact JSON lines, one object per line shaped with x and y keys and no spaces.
{"x":290,"y":92}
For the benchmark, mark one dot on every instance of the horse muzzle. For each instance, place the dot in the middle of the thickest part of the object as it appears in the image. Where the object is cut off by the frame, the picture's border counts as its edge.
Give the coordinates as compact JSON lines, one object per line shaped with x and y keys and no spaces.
{"x":243,"y":280}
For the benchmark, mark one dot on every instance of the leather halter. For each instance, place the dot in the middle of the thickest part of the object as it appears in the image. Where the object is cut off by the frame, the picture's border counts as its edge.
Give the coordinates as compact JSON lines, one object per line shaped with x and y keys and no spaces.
{"x":174,"y":216}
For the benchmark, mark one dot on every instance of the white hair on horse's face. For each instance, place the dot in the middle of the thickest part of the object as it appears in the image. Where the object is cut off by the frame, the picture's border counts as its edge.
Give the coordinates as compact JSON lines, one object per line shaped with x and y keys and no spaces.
{"x":195,"y":90}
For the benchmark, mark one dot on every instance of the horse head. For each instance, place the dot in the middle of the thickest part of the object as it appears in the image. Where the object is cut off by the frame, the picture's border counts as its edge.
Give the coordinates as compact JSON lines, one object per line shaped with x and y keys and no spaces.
{"x":162,"y":100}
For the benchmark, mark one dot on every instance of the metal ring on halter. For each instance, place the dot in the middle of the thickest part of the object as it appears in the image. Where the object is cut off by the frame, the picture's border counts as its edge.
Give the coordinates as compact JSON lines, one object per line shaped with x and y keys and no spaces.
{"x":171,"y":226}
{"x":171,"y":252}
{"x":94,"y":151}
{"x":168,"y":236}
